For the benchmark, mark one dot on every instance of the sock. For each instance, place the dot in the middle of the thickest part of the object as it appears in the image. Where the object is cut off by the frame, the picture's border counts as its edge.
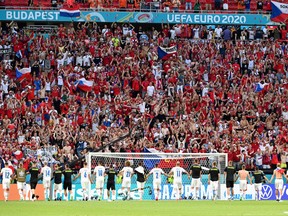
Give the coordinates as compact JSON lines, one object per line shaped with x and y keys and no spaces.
{"x":141,"y":194}
{"x":45,"y":194}
{"x":100,"y":194}
{"x":21,"y":194}
{"x":256,"y":195}
{"x":156,"y":194}
{"x":280,"y":196}
{"x":33,"y":196}
{"x":113,"y":197}
{"x":194,"y":192}
{"x":276,"y":196}
{"x":128,"y":194}
{"x":6,"y":195}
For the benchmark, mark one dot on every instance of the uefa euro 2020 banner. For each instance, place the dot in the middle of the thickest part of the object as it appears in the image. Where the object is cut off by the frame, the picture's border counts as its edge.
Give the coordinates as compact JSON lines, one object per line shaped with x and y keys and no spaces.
{"x":137,"y":17}
{"x":268,"y":191}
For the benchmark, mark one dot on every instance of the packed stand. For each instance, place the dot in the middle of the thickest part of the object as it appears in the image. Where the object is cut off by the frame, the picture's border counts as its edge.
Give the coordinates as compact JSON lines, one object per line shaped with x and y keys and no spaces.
{"x":224,"y":90}
{"x":195,"y":6}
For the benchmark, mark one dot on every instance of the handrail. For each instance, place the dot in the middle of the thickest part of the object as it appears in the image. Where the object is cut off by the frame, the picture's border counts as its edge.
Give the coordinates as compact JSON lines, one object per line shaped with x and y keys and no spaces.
{"x":150,"y":9}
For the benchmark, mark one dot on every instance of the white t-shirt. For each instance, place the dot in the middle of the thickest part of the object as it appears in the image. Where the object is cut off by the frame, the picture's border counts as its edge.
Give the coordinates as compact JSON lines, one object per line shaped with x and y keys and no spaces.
{"x":285,"y":115}
{"x":127,"y":173}
{"x":172,"y":33}
{"x":177,"y":173}
{"x":6,"y":174}
{"x":86,"y":59}
{"x":150,"y":90}
{"x":60,"y":80}
{"x":46,"y":171}
{"x":157,"y":172}
{"x":218,"y":32}
{"x":99,"y":171}
{"x":84,"y":174}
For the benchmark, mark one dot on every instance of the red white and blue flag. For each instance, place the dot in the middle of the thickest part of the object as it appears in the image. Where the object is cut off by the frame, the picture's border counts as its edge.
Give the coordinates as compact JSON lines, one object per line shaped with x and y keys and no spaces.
{"x":260,"y":86}
{"x":70,"y":11}
{"x":84,"y":85}
{"x":166,"y":52}
{"x":279,"y":12}
{"x":23,"y":73}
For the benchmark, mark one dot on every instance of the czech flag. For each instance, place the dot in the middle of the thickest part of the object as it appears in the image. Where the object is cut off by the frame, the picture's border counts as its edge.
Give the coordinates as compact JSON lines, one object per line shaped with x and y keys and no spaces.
{"x":23,"y":73}
{"x":72,"y":11}
{"x":260,"y":86}
{"x":151,"y":156}
{"x":166,"y":52}
{"x":84,"y":85}
{"x":279,"y":11}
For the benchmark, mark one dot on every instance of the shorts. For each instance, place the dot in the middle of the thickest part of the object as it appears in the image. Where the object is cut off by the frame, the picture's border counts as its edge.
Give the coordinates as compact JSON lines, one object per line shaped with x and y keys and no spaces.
{"x":157,"y":185}
{"x":258,"y":186}
{"x":57,"y":186}
{"x":110,"y":186}
{"x":243,"y":185}
{"x":177,"y":184}
{"x":6,"y":184}
{"x":126,"y":184}
{"x":214,"y":185}
{"x":99,"y":183}
{"x":195,"y":183}
{"x":85,"y":185}
{"x":140,"y":184}
{"x":33,"y":185}
{"x":279,"y":184}
{"x":229,"y":184}
{"x":21,"y":185}
{"x":67,"y":185}
{"x":46,"y":183}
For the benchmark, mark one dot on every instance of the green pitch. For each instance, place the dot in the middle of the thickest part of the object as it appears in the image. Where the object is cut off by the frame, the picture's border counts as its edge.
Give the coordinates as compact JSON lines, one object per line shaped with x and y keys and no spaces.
{"x":144,"y":208}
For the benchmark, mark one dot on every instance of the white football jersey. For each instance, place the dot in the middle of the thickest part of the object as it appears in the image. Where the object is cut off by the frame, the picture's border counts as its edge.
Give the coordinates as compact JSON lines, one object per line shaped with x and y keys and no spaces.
{"x":157,"y":172}
{"x":6,"y":174}
{"x":127,"y":173}
{"x":46,"y":171}
{"x":177,"y":173}
{"x":84,"y":174}
{"x":99,"y":171}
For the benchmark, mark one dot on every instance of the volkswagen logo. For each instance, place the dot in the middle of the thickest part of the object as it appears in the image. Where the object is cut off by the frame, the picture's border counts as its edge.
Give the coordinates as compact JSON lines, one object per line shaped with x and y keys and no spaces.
{"x":266,"y":192}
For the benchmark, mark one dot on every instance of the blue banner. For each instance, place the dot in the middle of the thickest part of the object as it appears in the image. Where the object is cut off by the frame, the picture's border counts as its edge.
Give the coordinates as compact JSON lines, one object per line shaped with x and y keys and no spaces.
{"x":137,"y":17}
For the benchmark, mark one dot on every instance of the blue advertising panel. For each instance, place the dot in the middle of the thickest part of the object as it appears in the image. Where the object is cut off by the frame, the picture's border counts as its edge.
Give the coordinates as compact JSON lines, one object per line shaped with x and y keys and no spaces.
{"x":137,"y":17}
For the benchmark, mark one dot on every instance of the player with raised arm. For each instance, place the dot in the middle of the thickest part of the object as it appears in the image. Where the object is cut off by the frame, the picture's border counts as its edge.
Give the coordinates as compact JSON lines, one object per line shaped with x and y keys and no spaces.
{"x":279,"y":174}
{"x":57,"y":174}
{"x":67,"y":182}
{"x":157,"y":173}
{"x":140,"y":179}
{"x":195,"y":172}
{"x":111,"y":173}
{"x":127,"y":173}
{"x":21,"y":180}
{"x":213,"y":179}
{"x":85,"y":178}
{"x":258,"y":177}
{"x":99,"y":172}
{"x":34,"y":171}
{"x":6,"y":173}
{"x":177,"y":172}
{"x":229,"y":177}
{"x":244,"y":176}
{"x":47,"y":174}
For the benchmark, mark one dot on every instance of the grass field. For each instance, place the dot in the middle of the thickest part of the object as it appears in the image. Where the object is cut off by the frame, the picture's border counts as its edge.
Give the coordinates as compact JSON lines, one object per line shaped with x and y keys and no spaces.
{"x":144,"y":208}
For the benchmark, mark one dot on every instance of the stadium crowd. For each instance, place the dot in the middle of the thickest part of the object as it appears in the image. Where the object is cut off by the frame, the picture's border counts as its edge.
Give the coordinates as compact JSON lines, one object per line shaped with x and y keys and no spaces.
{"x":222,"y":90}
